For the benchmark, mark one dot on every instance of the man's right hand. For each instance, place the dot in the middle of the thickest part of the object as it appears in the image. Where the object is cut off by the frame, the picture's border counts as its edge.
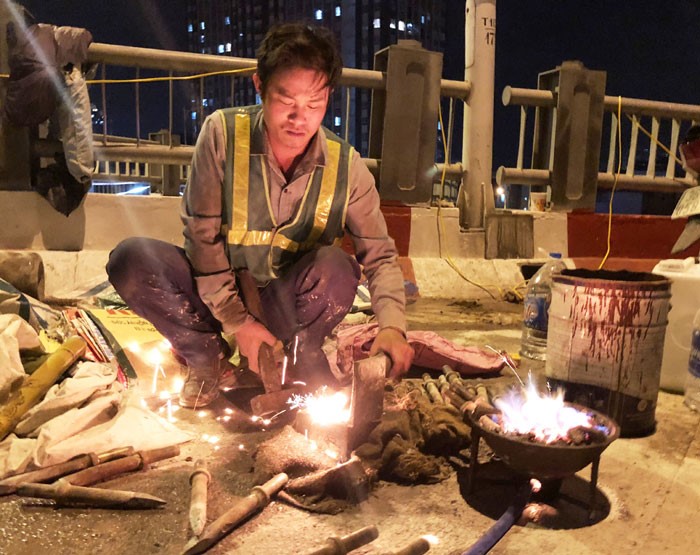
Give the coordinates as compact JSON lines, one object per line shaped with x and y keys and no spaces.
{"x":249,"y":337}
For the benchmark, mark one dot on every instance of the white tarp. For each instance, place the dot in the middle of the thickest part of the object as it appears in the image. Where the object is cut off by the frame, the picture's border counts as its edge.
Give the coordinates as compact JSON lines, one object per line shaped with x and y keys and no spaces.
{"x":89,"y":412}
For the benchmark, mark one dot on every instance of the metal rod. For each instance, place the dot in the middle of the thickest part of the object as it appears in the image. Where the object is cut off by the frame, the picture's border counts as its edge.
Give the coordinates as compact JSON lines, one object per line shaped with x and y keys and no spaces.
{"x":103,"y":89}
{"x":199,"y":482}
{"x":244,"y":508}
{"x":507,"y":176}
{"x":641,"y":107}
{"x":188,"y":62}
{"x":54,"y":471}
{"x":63,"y":492}
{"x":138,"y":109}
{"x":346,"y":544}
{"x":110,"y":469}
{"x":170,"y":112}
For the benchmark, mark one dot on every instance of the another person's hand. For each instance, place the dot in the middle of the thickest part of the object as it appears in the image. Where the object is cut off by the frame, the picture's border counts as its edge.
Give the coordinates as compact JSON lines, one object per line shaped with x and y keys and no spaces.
{"x":392,"y":342}
{"x":249,"y":337}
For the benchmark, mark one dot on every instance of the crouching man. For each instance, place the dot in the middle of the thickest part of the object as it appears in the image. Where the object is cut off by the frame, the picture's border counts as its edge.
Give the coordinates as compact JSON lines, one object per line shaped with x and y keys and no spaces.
{"x":270,"y":191}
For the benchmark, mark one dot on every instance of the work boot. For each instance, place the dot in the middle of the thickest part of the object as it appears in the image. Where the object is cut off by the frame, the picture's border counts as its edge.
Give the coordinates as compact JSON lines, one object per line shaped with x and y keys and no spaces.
{"x":201,"y":387}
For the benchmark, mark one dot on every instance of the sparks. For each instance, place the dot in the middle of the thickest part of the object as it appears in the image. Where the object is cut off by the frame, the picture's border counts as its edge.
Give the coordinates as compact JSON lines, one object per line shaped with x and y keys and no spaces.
{"x":324,"y":409}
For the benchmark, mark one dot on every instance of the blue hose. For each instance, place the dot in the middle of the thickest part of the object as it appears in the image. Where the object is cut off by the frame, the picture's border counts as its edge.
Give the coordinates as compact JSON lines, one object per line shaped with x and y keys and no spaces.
{"x":493,"y":535}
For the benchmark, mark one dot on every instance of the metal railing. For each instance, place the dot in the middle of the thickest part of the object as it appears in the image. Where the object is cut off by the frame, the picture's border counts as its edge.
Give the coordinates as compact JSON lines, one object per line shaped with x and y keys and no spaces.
{"x":144,"y":160}
{"x":666,"y":121}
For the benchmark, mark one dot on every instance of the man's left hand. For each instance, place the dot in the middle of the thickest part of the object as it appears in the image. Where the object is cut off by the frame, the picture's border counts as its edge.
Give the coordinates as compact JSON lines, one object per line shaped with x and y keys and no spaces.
{"x":392,"y":342}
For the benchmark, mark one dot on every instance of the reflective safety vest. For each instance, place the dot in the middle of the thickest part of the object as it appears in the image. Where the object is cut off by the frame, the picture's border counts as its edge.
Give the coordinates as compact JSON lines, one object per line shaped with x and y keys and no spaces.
{"x":255,"y":240}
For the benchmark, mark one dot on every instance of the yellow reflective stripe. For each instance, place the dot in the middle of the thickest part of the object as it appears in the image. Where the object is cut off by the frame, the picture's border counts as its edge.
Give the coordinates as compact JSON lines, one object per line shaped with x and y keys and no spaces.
{"x":241,"y":169}
{"x":263,"y":238}
{"x":325,"y":197}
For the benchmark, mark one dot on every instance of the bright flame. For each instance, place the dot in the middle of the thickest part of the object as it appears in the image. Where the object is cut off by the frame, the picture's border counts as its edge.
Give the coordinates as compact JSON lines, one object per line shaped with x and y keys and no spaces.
{"x":545,"y":416}
{"x":432,"y":540}
{"x":324,"y":409}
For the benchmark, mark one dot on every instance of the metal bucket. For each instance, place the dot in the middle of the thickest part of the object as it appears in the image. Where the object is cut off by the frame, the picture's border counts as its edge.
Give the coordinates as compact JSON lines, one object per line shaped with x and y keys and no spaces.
{"x":605,"y":342}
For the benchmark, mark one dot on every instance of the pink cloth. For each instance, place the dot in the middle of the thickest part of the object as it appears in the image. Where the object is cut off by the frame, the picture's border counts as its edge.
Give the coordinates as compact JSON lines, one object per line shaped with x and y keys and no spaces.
{"x":432,"y":351}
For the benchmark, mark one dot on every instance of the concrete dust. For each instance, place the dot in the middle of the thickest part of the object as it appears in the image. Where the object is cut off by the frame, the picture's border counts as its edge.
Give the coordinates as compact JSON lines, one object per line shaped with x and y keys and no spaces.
{"x":647,"y":484}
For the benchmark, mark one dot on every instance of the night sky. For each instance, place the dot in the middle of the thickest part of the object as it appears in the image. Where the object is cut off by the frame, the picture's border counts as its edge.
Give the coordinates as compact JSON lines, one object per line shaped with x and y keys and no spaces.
{"x":650,"y":49}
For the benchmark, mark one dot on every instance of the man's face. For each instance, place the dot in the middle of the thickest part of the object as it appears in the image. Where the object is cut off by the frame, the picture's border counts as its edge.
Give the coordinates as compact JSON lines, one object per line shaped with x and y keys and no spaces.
{"x":294,"y":104}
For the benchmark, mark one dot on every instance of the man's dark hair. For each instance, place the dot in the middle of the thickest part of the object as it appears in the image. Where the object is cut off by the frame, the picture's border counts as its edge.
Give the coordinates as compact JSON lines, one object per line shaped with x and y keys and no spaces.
{"x":289,"y":45}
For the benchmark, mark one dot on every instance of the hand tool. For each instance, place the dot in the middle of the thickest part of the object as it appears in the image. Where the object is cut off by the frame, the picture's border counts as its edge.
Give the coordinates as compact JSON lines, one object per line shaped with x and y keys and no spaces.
{"x":346,"y":544}
{"x":107,"y":470}
{"x":54,"y":471}
{"x":63,"y":492}
{"x":199,"y":482}
{"x":255,"y":501}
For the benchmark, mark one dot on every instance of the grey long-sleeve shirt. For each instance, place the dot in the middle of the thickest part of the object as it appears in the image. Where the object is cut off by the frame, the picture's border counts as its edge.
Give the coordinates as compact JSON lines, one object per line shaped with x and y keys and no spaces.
{"x":201,"y":213}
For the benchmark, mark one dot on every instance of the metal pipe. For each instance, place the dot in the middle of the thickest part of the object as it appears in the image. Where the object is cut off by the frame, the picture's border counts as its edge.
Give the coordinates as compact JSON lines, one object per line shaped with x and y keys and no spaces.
{"x":49,"y":473}
{"x":638,"y":106}
{"x":107,"y":470}
{"x":477,"y":144}
{"x":522,"y":176}
{"x":188,"y":62}
{"x":35,"y":386}
{"x":346,"y":544}
{"x":199,"y":482}
{"x":416,"y":547}
{"x":244,"y":508}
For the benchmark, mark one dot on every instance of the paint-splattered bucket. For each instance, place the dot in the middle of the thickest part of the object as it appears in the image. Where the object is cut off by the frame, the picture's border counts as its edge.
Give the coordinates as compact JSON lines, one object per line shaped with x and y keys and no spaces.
{"x":605,"y":342}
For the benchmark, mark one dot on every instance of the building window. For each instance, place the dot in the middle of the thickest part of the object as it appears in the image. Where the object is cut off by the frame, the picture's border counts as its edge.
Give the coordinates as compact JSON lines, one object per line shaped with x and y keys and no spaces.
{"x":205,"y":102}
{"x":190,"y":27}
{"x":402,"y":26}
{"x":202,"y":26}
{"x":201,"y":39}
{"x":376,"y":23}
{"x":392,"y":24}
{"x":318,"y":14}
{"x":337,"y":11}
{"x":228,"y":47}
{"x":422,"y":19}
{"x":193,"y":115}
{"x":336,"y":121}
{"x":227,"y":20}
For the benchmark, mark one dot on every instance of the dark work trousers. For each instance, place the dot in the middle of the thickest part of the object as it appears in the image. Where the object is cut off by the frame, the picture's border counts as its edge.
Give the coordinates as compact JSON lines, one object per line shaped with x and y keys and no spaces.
{"x":301,"y":308}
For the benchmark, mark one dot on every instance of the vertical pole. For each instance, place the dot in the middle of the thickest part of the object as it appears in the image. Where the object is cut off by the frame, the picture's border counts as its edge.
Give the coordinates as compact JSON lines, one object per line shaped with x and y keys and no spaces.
{"x":15,"y":159}
{"x":475,"y":198}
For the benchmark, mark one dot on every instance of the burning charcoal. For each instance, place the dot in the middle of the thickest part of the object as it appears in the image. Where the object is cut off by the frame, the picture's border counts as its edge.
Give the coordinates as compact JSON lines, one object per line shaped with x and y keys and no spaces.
{"x":487,"y":423}
{"x":578,"y":435}
{"x":583,"y":435}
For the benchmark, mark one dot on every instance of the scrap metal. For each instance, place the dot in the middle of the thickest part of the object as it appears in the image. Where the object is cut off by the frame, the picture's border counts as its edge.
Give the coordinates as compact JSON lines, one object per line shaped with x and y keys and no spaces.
{"x":49,"y":473}
{"x":107,"y":470}
{"x":345,"y":544}
{"x":65,"y":493}
{"x":258,"y":499}
{"x":199,"y":482}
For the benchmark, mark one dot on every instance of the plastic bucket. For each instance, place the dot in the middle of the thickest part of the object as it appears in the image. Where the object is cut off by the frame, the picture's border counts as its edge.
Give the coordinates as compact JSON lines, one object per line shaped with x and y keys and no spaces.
{"x":605,"y":342}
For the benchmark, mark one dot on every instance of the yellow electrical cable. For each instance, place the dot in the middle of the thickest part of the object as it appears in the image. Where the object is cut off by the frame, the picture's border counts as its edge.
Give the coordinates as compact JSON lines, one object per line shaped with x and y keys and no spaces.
{"x":169,"y":78}
{"x":617,"y":174}
{"x":441,"y":230}
{"x":157,"y":79}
